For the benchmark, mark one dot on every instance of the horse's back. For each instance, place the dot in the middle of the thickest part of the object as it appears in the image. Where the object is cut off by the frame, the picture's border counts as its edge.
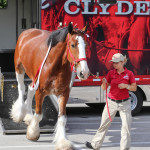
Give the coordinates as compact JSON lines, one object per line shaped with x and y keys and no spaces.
{"x":31,"y":36}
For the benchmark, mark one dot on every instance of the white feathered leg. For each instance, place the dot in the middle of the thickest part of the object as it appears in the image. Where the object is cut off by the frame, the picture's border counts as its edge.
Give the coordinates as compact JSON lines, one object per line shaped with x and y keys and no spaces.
{"x":18,"y":112}
{"x":62,"y":143}
{"x":28,"y":106}
{"x":33,"y":130}
{"x":60,"y":129}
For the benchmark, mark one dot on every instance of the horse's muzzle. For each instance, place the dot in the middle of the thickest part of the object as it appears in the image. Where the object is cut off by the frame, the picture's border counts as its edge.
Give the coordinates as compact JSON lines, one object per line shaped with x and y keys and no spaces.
{"x":83,"y":75}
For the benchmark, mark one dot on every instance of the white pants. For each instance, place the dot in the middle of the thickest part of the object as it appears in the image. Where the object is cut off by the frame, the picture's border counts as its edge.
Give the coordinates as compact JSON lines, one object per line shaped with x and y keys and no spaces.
{"x":124,"y":109}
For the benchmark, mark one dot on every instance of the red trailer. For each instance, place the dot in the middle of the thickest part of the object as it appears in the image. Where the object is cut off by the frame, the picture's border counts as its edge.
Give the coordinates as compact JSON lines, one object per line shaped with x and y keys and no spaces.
{"x":122,"y":27}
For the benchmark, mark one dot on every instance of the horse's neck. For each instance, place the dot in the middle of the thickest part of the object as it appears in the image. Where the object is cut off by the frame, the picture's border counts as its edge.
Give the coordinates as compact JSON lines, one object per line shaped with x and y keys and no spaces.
{"x":58,"y":57}
{"x":63,"y":54}
{"x":61,"y":64}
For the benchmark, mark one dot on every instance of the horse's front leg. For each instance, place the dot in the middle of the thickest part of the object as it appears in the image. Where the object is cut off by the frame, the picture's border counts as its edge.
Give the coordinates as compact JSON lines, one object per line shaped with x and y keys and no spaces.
{"x":33,"y":130}
{"x":60,"y":137}
{"x":18,"y":110}
{"x":28,"y":105}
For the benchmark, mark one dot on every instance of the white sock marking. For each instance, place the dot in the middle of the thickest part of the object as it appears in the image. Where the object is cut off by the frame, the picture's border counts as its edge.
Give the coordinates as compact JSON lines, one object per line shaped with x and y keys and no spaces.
{"x":60,"y":129}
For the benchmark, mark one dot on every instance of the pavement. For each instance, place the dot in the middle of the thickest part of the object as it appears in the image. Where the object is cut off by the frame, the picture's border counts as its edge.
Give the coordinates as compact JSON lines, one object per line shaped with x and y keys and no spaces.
{"x":82,"y":125}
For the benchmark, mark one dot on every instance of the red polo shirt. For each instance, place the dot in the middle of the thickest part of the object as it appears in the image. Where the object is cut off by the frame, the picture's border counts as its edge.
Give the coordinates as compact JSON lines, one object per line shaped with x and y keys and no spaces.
{"x":114,"y":78}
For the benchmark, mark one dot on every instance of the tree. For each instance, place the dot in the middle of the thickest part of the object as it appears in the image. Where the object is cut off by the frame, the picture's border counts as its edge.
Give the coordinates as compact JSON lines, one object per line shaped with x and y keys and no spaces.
{"x":3,"y":3}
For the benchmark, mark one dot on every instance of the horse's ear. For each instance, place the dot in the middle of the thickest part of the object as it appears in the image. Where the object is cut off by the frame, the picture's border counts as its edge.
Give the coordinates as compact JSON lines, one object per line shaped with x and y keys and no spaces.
{"x":85,"y":28}
{"x":70,"y":27}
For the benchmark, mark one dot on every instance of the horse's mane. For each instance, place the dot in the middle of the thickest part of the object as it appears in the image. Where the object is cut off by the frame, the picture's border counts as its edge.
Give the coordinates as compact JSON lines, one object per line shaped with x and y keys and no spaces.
{"x":57,"y":36}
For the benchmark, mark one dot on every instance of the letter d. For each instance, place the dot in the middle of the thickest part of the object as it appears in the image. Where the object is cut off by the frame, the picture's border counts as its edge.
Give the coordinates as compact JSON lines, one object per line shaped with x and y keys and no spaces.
{"x":120,"y":4}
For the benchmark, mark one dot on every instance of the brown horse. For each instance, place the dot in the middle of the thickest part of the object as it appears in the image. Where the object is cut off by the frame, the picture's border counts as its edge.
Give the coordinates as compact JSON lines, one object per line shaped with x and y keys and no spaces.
{"x":67,"y":46}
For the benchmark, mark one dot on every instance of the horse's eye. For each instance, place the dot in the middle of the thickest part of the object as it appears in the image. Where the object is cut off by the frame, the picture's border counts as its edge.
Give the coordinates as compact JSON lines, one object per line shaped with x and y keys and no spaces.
{"x":72,"y":45}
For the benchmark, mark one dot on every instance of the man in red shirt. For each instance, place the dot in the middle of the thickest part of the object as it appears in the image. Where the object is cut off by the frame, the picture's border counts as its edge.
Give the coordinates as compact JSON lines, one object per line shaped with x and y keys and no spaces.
{"x":121,"y":81}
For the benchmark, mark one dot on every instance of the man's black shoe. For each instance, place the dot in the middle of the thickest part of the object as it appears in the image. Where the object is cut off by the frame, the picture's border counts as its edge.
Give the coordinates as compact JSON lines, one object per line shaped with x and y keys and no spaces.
{"x":88,"y":144}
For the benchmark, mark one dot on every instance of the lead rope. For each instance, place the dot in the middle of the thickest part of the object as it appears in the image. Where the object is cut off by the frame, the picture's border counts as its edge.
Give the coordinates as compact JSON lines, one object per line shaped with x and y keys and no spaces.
{"x":95,"y":76}
{"x":107,"y":104}
{"x":35,"y":85}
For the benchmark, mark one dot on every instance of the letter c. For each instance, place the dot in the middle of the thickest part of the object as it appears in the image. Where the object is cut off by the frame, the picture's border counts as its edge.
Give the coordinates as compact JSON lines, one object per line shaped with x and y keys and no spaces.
{"x":67,"y":4}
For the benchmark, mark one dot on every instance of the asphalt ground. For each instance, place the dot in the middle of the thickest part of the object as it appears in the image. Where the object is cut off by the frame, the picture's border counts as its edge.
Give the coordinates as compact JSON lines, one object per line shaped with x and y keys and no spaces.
{"x":82,"y":125}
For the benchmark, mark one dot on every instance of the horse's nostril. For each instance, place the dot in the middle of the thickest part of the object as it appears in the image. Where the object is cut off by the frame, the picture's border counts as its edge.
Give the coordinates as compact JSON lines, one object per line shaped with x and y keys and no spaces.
{"x":81,"y":74}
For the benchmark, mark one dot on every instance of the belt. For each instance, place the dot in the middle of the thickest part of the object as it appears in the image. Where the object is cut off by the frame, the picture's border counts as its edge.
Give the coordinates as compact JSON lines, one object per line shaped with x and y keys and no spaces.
{"x":119,"y":101}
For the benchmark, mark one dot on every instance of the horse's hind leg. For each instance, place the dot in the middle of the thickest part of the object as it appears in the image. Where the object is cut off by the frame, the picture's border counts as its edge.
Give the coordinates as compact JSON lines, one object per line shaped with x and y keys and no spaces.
{"x":18,"y":111}
{"x":28,"y":105}
{"x":33,"y":130}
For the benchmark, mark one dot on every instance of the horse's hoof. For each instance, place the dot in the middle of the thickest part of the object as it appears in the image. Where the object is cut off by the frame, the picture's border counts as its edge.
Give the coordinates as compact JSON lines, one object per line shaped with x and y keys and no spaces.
{"x":65,"y":145}
{"x":27,"y":119}
{"x":33,"y":133}
{"x":17,"y":112}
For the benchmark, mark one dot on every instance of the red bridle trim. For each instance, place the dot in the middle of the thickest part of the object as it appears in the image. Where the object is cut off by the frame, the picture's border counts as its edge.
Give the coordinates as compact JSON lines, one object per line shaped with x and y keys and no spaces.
{"x":75,"y":60}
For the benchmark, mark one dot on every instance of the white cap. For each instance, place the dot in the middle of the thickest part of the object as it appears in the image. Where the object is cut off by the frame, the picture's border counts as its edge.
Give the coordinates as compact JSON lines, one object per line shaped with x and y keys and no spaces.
{"x":117,"y":57}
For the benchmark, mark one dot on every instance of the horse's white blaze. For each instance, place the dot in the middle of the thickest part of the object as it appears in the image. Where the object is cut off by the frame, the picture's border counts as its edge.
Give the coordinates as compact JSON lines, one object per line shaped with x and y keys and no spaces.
{"x":82,"y":54}
{"x":60,"y":129}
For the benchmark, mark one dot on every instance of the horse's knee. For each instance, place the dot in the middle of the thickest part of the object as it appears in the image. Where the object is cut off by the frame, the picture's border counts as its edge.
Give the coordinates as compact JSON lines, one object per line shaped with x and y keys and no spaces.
{"x":19,"y":67}
{"x":33,"y":130}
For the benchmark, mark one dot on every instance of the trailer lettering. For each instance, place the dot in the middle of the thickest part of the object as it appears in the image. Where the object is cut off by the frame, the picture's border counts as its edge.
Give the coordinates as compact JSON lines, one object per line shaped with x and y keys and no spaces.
{"x":104,"y":9}
{"x":142,"y":7}
{"x":73,"y":2}
{"x":86,"y":8}
{"x":120,"y":4}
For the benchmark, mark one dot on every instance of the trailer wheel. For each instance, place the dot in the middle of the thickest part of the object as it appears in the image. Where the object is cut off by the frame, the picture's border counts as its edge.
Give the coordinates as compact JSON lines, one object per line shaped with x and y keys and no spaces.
{"x":136,"y":101}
